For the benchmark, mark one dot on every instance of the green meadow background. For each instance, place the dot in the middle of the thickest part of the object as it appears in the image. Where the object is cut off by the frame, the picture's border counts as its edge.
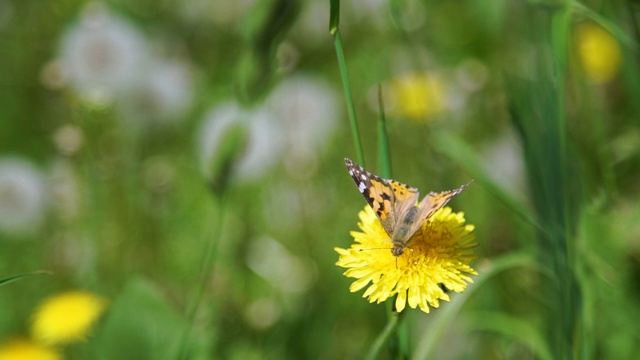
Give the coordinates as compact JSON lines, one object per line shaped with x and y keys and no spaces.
{"x":184,"y":160}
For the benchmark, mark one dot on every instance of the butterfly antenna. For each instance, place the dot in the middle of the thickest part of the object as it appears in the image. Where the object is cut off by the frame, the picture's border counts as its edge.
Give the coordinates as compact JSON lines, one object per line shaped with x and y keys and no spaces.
{"x":359,"y":250}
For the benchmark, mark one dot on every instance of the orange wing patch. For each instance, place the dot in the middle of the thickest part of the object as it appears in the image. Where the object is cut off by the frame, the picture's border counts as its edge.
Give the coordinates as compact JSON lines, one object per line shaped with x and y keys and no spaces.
{"x":381,"y":197}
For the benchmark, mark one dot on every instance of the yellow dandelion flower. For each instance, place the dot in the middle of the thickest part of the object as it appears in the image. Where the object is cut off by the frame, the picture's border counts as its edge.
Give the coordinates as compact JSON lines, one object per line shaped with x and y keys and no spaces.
{"x":67,"y":317}
{"x":417,"y":96}
{"x":439,"y":253}
{"x":25,"y":349}
{"x":598,"y":52}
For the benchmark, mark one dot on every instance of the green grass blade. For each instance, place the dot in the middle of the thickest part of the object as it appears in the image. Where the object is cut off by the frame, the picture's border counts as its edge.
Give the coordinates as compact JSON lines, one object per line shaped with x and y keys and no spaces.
{"x":266,"y":24}
{"x":464,"y":155}
{"x":447,"y":313}
{"x":334,"y":16}
{"x":206,"y":271}
{"x":24,"y":275}
{"x":538,"y":113}
{"x":384,"y":153}
{"x":509,"y":326}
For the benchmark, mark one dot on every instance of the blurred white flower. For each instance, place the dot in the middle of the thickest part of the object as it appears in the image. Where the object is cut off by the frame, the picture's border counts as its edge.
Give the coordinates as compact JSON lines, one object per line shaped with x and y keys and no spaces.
{"x":288,"y":57}
{"x":65,"y":190}
{"x":102,"y":55}
{"x":23,"y":196}
{"x":159,"y":174}
{"x":263,"y":313}
{"x":164,"y":92}
{"x":228,"y":13}
{"x":312,"y":26}
{"x":370,"y":12}
{"x":263,"y":138}
{"x":298,"y":118}
{"x":504,"y":164}
{"x":74,"y":252}
{"x":223,"y":13}
{"x":472,"y":75}
{"x":68,"y":139}
{"x":53,"y":75}
{"x":282,"y":269}
{"x":308,"y":110}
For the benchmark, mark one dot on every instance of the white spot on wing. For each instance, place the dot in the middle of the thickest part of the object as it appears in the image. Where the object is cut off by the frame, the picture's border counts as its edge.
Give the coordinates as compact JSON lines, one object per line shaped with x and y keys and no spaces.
{"x":362,"y":187}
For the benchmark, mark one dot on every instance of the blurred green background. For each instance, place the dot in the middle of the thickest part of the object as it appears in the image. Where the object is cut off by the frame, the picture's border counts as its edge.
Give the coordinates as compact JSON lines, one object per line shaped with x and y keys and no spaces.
{"x":184,"y":160}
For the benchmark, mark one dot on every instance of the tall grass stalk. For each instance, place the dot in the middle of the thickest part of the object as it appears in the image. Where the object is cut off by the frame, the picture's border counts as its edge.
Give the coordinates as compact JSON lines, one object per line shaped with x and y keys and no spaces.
{"x":430,"y":340}
{"x":384,"y":153}
{"x":398,"y":346}
{"x":334,"y":29}
{"x":206,"y":269}
{"x":538,"y":114}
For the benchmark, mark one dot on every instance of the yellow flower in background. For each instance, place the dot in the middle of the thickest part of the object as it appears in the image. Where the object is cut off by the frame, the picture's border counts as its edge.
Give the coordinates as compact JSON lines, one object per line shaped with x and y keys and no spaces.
{"x":417,"y":96}
{"x":25,"y":349}
{"x":599,"y":53}
{"x":67,"y":317}
{"x":439,"y":253}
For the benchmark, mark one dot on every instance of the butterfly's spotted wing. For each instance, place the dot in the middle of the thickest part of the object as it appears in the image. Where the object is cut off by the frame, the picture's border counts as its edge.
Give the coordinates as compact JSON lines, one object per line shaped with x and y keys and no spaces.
{"x":387,"y":198}
{"x":433,"y":202}
{"x":395,"y":204}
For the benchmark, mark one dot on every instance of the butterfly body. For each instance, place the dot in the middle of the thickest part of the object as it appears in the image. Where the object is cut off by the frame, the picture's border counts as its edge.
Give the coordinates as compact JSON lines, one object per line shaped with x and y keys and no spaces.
{"x":396,"y":204}
{"x":402,"y":234}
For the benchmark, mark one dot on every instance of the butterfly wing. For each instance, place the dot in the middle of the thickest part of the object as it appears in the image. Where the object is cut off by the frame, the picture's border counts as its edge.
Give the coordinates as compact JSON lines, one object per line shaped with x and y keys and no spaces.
{"x":387,"y":198}
{"x":433,"y":202}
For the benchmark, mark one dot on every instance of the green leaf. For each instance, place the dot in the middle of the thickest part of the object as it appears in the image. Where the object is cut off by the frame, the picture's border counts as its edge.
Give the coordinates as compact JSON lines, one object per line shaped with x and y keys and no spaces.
{"x":509,"y":326}
{"x":142,"y":325}
{"x":446,"y":314}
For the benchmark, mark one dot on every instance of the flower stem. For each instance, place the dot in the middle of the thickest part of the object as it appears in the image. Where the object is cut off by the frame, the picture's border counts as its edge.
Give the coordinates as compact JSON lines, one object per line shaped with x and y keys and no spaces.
{"x":334,"y":29}
{"x":206,"y":269}
{"x":392,"y":324}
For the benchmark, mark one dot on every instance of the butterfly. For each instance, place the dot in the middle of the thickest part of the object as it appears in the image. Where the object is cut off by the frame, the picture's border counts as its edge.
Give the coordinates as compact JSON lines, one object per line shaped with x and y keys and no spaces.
{"x":396,"y":204}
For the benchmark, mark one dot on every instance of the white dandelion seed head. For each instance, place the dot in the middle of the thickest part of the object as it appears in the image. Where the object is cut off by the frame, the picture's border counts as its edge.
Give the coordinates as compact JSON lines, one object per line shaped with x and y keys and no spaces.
{"x":263,"y":313}
{"x":53,"y":75}
{"x":159,"y":174}
{"x":228,"y":13}
{"x":277,"y":265}
{"x":371,"y":12}
{"x":504,"y":160}
{"x":69,"y":139}
{"x":225,"y":14}
{"x":311,"y":28}
{"x":164,"y":93}
{"x":65,"y":190}
{"x":23,"y":196}
{"x":263,"y":138}
{"x":102,"y":55}
{"x":472,"y":75}
{"x":308,"y":110}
